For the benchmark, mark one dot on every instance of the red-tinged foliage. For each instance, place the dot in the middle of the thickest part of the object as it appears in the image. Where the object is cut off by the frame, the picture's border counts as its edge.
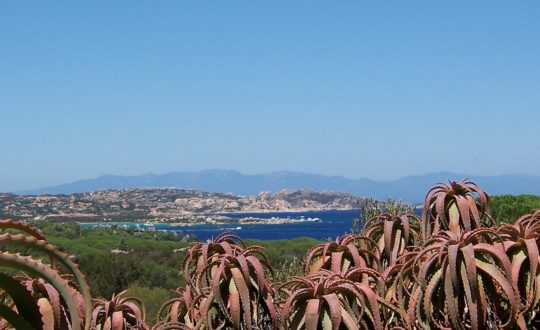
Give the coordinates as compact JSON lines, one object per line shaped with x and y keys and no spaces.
{"x":458,"y":207}
{"x":393,"y":234}
{"x":342,"y":254}
{"x":521,"y":246}
{"x":400,"y":282}
{"x":325,"y":300}
{"x":181,"y":310}
{"x":203,"y":253}
{"x":530,"y":221}
{"x":465,"y":281}
{"x":119,"y":313}
{"x":240,"y":294}
{"x":41,"y":294}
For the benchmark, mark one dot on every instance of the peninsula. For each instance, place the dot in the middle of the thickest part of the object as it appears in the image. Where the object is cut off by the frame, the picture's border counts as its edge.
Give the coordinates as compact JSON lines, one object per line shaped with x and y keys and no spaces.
{"x":167,"y":205}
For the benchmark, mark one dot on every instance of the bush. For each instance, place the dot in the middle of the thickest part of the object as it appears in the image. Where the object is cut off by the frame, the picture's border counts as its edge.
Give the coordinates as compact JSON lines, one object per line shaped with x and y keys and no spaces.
{"x":153,"y":298}
{"x":508,"y":208}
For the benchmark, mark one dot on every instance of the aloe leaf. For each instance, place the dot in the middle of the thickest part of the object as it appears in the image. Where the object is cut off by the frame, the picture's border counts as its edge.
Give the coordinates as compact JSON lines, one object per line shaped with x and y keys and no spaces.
{"x":26,"y":305}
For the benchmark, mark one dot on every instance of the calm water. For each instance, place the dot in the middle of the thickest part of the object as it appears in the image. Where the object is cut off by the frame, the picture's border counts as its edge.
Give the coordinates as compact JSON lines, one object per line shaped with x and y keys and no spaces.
{"x":333,"y":223}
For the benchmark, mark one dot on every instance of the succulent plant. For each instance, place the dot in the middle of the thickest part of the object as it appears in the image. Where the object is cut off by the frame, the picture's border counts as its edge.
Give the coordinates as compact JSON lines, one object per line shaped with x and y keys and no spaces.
{"x":400,"y":282}
{"x":343,"y":254}
{"x":119,"y":313}
{"x":393,"y":234}
{"x":459,"y":206}
{"x":521,"y":246}
{"x":203,"y":253}
{"x":465,"y":281}
{"x":181,"y":310}
{"x":51,"y":295}
{"x":325,"y":300}
{"x":531,"y":219}
{"x":239,"y":296}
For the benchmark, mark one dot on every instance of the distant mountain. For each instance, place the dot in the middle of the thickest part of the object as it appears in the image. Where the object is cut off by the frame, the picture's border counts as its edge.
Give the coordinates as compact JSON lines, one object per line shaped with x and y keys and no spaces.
{"x":410,"y":188}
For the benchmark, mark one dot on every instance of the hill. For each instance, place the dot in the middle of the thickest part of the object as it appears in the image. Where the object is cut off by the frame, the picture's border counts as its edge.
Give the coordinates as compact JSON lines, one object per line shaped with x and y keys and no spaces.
{"x":409,"y":189}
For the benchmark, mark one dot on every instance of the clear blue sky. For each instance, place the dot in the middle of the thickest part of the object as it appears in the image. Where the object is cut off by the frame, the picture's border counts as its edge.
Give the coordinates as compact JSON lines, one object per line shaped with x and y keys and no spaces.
{"x":346,"y":88}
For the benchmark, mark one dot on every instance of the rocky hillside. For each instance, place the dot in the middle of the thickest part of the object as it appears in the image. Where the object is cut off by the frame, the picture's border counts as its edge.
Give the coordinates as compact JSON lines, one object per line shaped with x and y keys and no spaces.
{"x":164,"y":203}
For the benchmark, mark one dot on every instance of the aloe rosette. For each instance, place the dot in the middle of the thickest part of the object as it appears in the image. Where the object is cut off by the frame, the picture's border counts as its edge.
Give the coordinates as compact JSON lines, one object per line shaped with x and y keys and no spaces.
{"x":118,"y":313}
{"x":400,"y":287}
{"x":325,"y":300}
{"x":240,"y":295}
{"x":521,"y":246}
{"x":464,"y":281}
{"x":342,"y":254}
{"x":458,"y":207}
{"x":40,"y":295}
{"x":203,"y":253}
{"x":181,"y":310}
{"x":393,"y":234}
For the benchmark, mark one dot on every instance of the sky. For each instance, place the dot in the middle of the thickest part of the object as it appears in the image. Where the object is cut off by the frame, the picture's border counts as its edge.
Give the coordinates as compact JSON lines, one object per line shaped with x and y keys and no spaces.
{"x":358,"y":89}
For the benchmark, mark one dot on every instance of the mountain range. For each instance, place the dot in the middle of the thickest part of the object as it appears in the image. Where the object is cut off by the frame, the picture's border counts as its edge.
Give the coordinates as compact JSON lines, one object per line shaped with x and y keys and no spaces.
{"x":409,"y":189}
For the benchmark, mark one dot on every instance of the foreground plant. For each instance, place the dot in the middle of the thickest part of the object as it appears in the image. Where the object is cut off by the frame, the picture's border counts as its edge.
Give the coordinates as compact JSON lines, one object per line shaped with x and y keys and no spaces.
{"x":343,"y":254}
{"x":40,"y":295}
{"x":119,"y":313}
{"x":458,"y":207}
{"x":521,"y":246}
{"x":325,"y":300}
{"x":202,"y":254}
{"x":239,"y":296}
{"x":182,"y":310}
{"x":393,"y":234}
{"x":400,"y":287}
{"x":465,"y":281}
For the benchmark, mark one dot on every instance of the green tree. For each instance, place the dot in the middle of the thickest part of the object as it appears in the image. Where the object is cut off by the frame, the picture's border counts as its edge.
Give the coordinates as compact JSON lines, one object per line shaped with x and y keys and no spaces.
{"x":508,"y":208}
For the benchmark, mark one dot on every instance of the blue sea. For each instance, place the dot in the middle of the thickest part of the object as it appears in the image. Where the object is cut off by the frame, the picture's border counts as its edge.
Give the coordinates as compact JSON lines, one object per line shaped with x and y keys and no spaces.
{"x":332,"y":223}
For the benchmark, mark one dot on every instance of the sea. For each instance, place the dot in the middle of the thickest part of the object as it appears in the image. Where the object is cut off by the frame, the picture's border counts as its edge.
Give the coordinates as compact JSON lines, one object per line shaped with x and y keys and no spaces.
{"x":323,"y":225}
{"x":320,"y":225}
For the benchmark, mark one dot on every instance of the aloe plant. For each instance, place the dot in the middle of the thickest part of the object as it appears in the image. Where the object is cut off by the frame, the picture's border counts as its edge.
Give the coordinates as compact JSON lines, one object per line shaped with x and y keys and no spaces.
{"x":182,"y":310}
{"x":342,"y":254}
{"x":393,"y":234}
{"x":531,"y":219}
{"x":240,"y":296}
{"x":465,"y":281}
{"x":325,"y":300}
{"x":521,"y":246}
{"x":459,"y":206}
{"x":203,"y":253}
{"x":40,"y":296}
{"x":400,"y":283}
{"x":118,"y":313}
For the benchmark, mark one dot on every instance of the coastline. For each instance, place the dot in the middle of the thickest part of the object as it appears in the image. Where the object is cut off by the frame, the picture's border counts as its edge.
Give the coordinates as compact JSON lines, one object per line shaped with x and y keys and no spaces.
{"x":301,"y":210}
{"x":224,"y":218}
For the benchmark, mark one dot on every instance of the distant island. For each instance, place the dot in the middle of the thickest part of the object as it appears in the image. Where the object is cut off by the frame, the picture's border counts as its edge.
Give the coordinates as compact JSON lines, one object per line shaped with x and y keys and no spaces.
{"x":169,"y":205}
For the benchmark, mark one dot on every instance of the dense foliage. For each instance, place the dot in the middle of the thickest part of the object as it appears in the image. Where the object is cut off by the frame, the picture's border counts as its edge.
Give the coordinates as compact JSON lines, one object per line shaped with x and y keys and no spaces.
{"x":450,"y":269}
{"x":508,"y":208}
{"x":114,"y":259}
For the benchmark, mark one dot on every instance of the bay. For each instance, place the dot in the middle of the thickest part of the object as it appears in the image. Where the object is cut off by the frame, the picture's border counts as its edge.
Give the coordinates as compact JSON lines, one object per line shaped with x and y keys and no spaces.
{"x":328,"y":224}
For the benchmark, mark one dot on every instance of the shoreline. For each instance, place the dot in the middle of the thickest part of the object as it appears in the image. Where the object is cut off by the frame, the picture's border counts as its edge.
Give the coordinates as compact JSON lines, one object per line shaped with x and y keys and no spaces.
{"x":224,"y":218}
{"x":285,"y":211}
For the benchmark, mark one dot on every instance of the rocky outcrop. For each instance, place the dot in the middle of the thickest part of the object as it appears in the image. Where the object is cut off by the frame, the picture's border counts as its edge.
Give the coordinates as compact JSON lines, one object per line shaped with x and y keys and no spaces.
{"x":169,"y":203}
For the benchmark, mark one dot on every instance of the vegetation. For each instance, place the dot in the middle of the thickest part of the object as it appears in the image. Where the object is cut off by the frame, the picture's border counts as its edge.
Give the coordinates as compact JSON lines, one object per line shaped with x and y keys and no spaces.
{"x":453,"y":268}
{"x":508,"y":208}
{"x":370,"y":208}
{"x":115,"y":259}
